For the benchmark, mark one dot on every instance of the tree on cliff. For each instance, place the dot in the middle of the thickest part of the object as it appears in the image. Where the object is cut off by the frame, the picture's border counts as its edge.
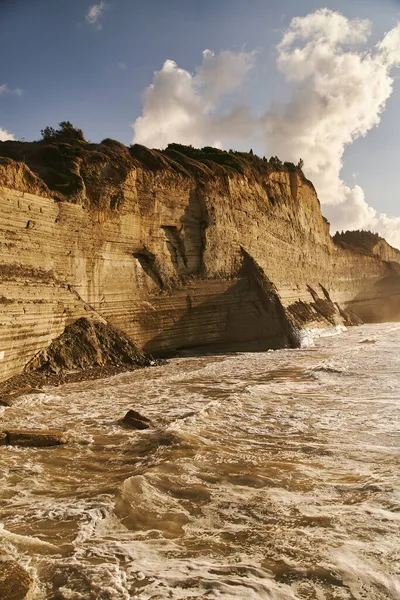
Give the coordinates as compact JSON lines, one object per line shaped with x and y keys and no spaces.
{"x":274,"y":160}
{"x":65,"y":132}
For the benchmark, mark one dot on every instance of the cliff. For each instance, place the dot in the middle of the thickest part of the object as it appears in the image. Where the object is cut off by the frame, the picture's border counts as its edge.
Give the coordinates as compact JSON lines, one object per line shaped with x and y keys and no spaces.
{"x":369,"y":243}
{"x":177,"y":250}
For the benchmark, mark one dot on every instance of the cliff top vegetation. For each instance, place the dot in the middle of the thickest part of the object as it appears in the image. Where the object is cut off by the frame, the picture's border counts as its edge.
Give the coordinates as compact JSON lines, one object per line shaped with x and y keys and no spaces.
{"x":70,"y":165}
{"x":359,"y":238}
{"x":362,"y":240}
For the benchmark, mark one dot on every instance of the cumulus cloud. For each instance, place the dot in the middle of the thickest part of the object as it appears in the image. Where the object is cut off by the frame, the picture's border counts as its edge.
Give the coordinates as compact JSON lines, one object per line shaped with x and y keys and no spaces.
{"x":340,"y":88}
{"x":95,"y":13}
{"x":5,"y":135}
{"x":223,"y":73}
{"x":182,"y":107}
{"x":340,"y":93}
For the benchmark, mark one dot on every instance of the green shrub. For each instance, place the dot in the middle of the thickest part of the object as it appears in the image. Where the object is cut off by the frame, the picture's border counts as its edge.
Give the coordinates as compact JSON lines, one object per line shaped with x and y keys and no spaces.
{"x":65,"y":132}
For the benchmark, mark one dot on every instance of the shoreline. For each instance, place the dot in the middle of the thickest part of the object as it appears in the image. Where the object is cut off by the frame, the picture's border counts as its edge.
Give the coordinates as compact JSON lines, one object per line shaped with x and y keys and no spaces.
{"x":34,"y":381}
{"x":26,"y":383}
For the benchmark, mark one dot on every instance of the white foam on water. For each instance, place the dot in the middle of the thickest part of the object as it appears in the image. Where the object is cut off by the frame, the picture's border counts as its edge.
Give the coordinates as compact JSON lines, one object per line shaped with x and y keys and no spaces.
{"x":308,"y":336}
{"x":25,"y":541}
{"x":361,"y":572}
{"x":270,"y":475}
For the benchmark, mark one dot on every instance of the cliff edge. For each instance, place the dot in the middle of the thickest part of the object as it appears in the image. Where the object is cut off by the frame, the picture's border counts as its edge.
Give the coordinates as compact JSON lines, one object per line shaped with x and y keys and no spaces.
{"x":177,"y":250}
{"x":369,"y":243}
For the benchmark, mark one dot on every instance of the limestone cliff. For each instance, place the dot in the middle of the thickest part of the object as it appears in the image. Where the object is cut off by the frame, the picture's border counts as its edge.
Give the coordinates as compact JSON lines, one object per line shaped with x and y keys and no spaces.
{"x":177,"y":249}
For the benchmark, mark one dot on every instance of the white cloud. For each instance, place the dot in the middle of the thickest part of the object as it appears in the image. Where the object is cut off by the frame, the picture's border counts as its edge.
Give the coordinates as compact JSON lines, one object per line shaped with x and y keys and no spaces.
{"x":181,"y":107}
{"x":5,"y":135}
{"x":339,"y":91}
{"x":222,"y":73}
{"x":326,"y":27}
{"x":4,"y":89}
{"x":122,"y":66}
{"x":95,"y":13}
{"x":390,"y":46}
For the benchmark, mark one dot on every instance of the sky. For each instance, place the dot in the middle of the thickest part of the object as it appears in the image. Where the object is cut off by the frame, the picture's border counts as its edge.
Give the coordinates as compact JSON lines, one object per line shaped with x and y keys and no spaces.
{"x":296,"y":78}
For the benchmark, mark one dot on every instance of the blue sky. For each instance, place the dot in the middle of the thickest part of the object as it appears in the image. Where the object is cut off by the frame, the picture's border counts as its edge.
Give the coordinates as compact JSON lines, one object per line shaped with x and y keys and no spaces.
{"x":94,"y":74}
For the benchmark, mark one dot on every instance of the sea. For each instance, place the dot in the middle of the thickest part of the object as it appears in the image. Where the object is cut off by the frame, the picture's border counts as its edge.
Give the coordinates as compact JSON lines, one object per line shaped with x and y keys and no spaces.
{"x":272,"y":476}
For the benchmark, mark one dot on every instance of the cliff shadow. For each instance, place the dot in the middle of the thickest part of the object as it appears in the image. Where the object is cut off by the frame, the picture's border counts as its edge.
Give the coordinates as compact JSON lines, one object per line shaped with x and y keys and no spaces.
{"x":380,"y":302}
{"x":247,"y":316}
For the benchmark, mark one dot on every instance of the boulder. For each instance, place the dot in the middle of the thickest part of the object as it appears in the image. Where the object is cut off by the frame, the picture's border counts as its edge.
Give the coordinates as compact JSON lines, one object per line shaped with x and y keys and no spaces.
{"x":136,"y":420}
{"x":15,"y":582}
{"x":37,"y":438}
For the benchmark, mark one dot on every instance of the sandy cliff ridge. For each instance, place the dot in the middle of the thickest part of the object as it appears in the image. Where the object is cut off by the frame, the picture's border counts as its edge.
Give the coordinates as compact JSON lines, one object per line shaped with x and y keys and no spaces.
{"x":177,"y":250}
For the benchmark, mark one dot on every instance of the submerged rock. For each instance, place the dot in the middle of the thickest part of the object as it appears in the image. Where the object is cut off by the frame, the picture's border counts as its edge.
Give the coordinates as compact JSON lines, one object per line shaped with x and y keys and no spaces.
{"x":15,"y":582}
{"x":36,"y":438}
{"x":136,"y":420}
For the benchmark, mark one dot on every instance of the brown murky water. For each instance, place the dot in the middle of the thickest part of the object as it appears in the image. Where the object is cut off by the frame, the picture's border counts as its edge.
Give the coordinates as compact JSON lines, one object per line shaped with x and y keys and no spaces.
{"x":266,"y":476}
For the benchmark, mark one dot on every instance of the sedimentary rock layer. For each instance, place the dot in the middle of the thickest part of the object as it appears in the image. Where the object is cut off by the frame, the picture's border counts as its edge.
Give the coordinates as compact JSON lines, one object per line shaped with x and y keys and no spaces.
{"x":174,"y":250}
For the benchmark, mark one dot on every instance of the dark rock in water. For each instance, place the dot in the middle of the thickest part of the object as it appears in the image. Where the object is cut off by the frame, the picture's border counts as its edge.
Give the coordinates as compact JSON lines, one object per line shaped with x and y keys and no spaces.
{"x":136,"y":420}
{"x":85,"y":345}
{"x":36,"y":438}
{"x":15,"y":582}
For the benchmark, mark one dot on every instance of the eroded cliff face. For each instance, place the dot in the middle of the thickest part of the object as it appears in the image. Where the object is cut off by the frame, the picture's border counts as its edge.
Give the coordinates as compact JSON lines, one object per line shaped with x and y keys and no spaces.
{"x":220,"y":253}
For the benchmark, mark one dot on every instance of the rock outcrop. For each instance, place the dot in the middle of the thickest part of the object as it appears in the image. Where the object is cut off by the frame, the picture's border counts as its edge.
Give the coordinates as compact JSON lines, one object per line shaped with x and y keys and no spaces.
{"x":135,"y":420}
{"x":176,"y":250}
{"x":85,"y":345}
{"x":34,"y":438}
{"x":15,"y":582}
